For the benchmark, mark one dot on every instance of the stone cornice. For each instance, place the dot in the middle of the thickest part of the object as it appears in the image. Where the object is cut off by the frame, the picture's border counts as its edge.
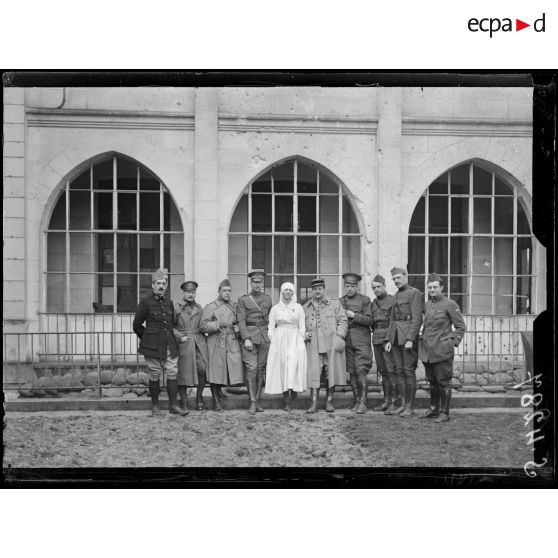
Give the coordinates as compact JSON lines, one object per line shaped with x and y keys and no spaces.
{"x":281,"y":123}
{"x":466,"y":127}
{"x":116,"y":119}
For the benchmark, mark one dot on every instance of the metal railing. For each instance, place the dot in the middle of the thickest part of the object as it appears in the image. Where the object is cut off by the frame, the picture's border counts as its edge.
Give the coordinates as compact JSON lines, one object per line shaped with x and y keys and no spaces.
{"x":83,"y":345}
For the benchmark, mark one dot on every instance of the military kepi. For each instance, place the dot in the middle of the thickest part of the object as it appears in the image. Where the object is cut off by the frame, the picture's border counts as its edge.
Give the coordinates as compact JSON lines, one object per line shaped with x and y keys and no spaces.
{"x":379,"y":279}
{"x":189,"y":286}
{"x":257,"y":273}
{"x":159,"y":274}
{"x":398,"y":270}
{"x":353,"y":278}
{"x":434,"y":277}
{"x":318,"y":282}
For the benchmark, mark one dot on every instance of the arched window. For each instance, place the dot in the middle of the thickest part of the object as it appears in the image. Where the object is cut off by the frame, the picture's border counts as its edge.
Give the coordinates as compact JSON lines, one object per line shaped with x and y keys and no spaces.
{"x":112,"y":225}
{"x":295,"y":222}
{"x":471,"y":227}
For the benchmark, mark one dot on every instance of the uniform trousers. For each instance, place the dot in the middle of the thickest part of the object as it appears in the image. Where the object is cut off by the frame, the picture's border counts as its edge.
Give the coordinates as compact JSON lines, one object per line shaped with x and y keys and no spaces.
{"x":384,"y":362}
{"x":405,"y":361}
{"x":255,"y":361}
{"x":439,"y":373}
{"x":156,"y":366}
{"x":359,"y":360}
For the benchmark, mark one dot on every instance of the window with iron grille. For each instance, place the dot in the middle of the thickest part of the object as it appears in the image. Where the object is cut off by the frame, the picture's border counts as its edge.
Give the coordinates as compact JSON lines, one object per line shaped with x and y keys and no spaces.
{"x":471,"y":227}
{"x":113,"y":224}
{"x":295,"y":222}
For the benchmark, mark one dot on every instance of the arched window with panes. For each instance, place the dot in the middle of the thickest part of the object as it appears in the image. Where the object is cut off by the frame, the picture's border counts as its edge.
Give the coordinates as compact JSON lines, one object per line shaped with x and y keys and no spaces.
{"x":471,"y":227}
{"x":296,"y":222}
{"x":112,"y":224}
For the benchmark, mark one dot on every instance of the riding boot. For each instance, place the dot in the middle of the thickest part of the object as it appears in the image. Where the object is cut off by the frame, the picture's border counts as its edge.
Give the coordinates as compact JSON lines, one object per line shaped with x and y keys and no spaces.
{"x":314,"y":392}
{"x":286,"y":401}
{"x":392,"y":398}
{"x":434,"y":410}
{"x":355,"y":390}
{"x":215,"y":396}
{"x":154,"y":394}
{"x":402,"y":395}
{"x":385,"y":387}
{"x":199,"y":393}
{"x":259,"y":388}
{"x":362,"y":408}
{"x":183,"y":393}
{"x":411,"y":389}
{"x":251,"y":383}
{"x":172,"y":391}
{"x":329,"y":401}
{"x":445,"y":407}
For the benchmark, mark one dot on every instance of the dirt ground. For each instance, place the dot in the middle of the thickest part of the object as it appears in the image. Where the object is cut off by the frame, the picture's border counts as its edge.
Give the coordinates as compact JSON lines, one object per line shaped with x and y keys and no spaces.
{"x":270,"y":439}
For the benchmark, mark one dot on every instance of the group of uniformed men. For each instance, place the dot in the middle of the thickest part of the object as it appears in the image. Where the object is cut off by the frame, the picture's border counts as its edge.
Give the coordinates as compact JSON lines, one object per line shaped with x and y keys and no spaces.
{"x":227,"y":343}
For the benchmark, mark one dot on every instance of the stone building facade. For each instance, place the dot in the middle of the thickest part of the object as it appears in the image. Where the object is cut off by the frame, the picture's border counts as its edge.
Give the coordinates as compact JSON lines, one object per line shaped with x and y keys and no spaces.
{"x":103,"y":184}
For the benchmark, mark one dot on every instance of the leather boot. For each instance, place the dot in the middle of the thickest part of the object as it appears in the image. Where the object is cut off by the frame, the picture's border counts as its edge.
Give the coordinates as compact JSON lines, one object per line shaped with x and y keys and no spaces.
{"x":355,"y":389}
{"x":392,"y":398}
{"x":220,"y":393}
{"x":434,"y":410}
{"x":286,"y":401}
{"x":199,"y":393}
{"x":252,"y":393}
{"x":329,"y":401}
{"x":411,"y":389}
{"x":154,"y":394}
{"x":215,"y":396}
{"x":362,"y":408}
{"x":385,"y":386}
{"x":314,"y":392}
{"x":402,"y":394}
{"x":183,"y":393}
{"x":445,"y":407}
{"x":172,"y":391}
{"x":259,"y":388}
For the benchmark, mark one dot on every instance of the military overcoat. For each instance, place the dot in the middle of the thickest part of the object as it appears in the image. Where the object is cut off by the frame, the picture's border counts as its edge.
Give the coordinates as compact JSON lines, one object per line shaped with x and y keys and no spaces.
{"x":327,"y":322}
{"x":157,"y":335}
{"x":217,"y":321}
{"x":438,"y":338}
{"x":188,"y":323}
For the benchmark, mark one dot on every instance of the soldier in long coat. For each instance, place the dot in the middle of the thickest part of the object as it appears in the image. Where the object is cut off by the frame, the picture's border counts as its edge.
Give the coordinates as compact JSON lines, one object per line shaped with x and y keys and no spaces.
{"x":437,"y":346}
{"x":405,"y":322}
{"x":218,"y":321}
{"x":381,"y":314}
{"x":193,"y":356}
{"x":157,"y":342}
{"x":252,"y":312}
{"x":358,"y":349}
{"x":326,"y":328}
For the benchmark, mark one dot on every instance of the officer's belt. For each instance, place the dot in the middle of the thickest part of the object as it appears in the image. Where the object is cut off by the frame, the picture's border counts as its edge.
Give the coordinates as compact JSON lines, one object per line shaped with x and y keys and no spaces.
{"x":402,"y":317}
{"x":259,"y":323}
{"x":228,"y":329}
{"x":380,"y":325}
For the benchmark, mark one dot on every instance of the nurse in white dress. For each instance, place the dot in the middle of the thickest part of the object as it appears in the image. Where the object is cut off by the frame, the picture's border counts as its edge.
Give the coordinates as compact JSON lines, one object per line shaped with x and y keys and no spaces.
{"x":286,"y":361}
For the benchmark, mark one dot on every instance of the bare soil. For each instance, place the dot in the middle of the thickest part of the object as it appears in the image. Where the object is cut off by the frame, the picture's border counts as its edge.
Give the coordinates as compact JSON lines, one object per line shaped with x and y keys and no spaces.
{"x":270,"y":439}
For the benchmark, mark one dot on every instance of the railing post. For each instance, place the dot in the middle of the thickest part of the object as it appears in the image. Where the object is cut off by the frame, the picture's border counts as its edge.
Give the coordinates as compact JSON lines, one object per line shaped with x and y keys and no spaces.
{"x":99,"y":368}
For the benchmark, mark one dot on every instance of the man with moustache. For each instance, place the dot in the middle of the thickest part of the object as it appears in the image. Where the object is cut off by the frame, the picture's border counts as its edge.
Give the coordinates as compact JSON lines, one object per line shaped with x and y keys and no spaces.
{"x":405,"y":322}
{"x":326,"y":327}
{"x":252,"y":311}
{"x":357,"y":342}
{"x":218,"y":321}
{"x":157,"y":342}
{"x":193,"y":356}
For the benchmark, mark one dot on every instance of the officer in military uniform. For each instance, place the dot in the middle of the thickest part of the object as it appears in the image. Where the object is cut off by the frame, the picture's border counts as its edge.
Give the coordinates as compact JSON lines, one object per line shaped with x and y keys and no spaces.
{"x":357,"y":342}
{"x":157,"y":342}
{"x":193,"y":356}
{"x":326,"y":328}
{"x":381,"y":313}
{"x":402,"y":338}
{"x":252,"y":311}
{"x":436,"y":348}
